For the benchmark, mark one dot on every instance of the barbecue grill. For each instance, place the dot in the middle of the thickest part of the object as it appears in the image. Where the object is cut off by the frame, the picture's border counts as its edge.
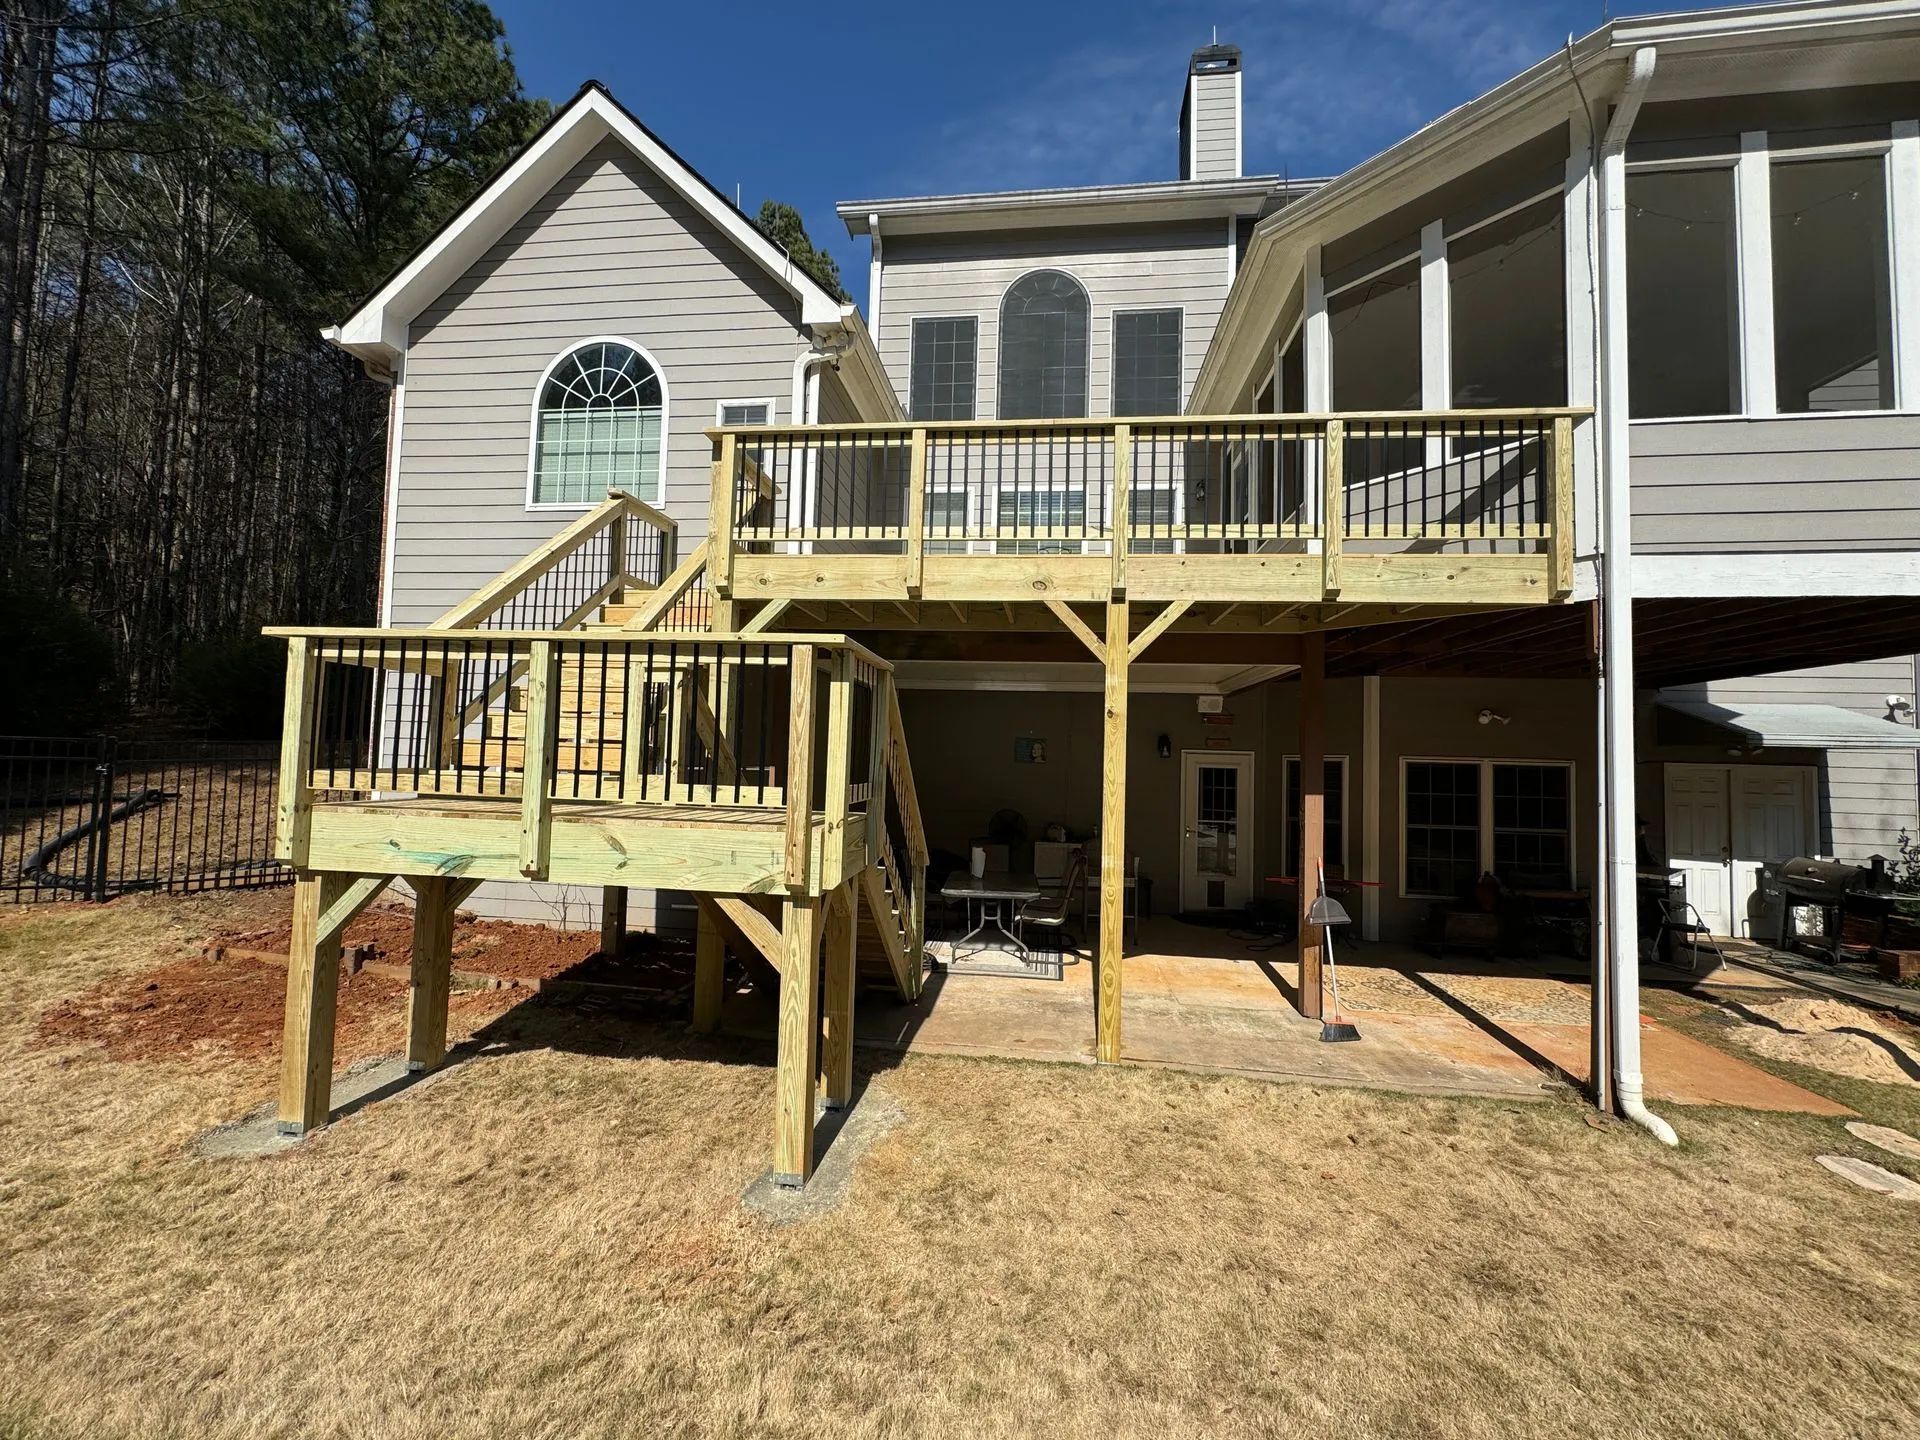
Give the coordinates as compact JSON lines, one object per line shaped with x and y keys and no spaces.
{"x":1854,"y":902}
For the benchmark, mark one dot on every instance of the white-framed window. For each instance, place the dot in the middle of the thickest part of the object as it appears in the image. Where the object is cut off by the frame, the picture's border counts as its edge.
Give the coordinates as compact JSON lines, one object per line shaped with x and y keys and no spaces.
{"x":1045,"y":347}
{"x":943,"y":367}
{"x":743,"y":412}
{"x":1683,"y":291}
{"x":1463,"y":818}
{"x":1334,"y":823}
{"x":1832,"y":282}
{"x":1149,"y":360}
{"x":599,"y":424}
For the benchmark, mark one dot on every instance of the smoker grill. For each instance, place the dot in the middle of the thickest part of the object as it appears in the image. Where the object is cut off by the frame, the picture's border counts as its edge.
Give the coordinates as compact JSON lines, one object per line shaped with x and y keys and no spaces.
{"x":1854,"y":902}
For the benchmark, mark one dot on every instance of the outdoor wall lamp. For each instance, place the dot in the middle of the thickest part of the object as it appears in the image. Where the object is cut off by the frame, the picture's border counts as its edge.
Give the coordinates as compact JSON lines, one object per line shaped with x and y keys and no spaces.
{"x":1165,"y":747}
{"x":1494,"y":717}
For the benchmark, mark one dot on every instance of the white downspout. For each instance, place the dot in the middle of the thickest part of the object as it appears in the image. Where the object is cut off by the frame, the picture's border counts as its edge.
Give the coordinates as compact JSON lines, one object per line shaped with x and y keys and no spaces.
{"x":804,"y":407}
{"x":1616,"y":609}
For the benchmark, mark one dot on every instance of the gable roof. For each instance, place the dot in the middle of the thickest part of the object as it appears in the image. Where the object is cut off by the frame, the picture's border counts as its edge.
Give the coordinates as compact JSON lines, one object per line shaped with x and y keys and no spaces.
{"x":377,"y":331}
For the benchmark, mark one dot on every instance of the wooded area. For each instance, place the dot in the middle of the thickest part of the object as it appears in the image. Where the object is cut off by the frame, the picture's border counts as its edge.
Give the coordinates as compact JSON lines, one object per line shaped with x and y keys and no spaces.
{"x":189,"y":192}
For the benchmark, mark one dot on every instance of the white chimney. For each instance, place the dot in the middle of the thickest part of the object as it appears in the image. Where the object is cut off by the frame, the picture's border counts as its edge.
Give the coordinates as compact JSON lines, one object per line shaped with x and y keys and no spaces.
{"x":1210,"y":115}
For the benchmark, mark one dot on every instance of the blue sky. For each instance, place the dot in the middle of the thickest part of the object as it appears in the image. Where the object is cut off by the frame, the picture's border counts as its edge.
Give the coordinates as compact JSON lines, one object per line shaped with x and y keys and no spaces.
{"x":816,"y":104}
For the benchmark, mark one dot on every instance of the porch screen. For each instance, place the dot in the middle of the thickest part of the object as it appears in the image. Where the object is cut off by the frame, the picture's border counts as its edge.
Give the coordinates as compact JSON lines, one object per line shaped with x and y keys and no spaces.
{"x":1043,"y":348}
{"x":599,"y":427}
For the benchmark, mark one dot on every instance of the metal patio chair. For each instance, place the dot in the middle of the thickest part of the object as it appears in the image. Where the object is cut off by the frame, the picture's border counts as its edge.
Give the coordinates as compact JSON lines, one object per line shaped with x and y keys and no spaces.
{"x":1051,"y":912}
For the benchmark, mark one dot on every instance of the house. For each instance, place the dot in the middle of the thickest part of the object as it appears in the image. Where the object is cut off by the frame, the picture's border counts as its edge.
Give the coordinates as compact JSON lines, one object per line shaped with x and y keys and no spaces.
{"x":1539,"y":498}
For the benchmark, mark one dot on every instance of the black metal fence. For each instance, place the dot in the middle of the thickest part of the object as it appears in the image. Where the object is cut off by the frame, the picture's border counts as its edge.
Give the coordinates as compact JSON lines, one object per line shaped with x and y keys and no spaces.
{"x":88,"y":818}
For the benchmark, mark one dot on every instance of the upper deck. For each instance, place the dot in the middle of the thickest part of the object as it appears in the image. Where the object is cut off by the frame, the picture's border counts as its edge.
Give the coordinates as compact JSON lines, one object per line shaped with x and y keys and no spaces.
{"x":1416,"y":507}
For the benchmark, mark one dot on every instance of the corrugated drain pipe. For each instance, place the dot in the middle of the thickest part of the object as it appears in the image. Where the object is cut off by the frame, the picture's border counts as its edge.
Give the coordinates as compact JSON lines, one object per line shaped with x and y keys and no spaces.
{"x":1616,"y":608}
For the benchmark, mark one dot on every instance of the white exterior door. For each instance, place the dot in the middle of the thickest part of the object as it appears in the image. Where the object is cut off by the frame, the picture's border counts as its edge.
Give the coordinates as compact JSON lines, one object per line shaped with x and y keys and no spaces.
{"x":1216,"y":848}
{"x":1772,"y":821}
{"x":1700,"y":840}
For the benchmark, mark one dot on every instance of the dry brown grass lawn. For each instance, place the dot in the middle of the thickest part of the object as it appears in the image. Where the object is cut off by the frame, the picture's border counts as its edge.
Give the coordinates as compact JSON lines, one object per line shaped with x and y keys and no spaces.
{"x":547,"y":1241}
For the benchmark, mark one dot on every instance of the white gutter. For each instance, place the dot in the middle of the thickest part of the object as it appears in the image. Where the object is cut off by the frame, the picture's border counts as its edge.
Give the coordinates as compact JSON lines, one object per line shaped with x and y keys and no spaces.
{"x":805,"y":410}
{"x":1616,"y":610}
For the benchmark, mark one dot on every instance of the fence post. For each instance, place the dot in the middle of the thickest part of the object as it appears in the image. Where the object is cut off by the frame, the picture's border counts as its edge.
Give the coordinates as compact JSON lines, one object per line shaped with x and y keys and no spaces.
{"x":102,"y":819}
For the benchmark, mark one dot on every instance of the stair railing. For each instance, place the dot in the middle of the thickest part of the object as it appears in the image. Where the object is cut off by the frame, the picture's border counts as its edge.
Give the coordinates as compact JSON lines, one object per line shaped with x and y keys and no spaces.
{"x":909,"y":889}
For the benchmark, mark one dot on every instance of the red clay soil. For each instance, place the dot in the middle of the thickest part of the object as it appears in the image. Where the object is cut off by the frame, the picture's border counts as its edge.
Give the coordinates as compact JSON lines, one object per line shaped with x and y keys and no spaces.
{"x":480,"y":947}
{"x":185,"y":1007}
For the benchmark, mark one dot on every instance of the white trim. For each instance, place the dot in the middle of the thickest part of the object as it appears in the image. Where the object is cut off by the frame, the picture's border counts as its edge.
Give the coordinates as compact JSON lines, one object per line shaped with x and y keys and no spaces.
{"x":1113,"y":350}
{"x":913,"y":346}
{"x":1346,"y":808}
{"x":1770,"y":572}
{"x":1193,"y":128}
{"x":533,"y":425}
{"x":875,"y":268}
{"x":394,"y":440}
{"x":1582,"y":272}
{"x":1485,"y":818}
{"x":720,"y":406}
{"x":1249,"y":808}
{"x":1436,"y":331}
{"x":1239,"y":125}
{"x":1233,"y":248}
{"x":379,"y":326}
{"x":1000,"y":339}
{"x":1753,"y":232}
{"x":1370,"y":807}
{"x":1903,"y":245}
{"x":1316,"y":362}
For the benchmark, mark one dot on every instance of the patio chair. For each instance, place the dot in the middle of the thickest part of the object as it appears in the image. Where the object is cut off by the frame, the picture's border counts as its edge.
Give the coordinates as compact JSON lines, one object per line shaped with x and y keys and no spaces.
{"x":1051,"y":912}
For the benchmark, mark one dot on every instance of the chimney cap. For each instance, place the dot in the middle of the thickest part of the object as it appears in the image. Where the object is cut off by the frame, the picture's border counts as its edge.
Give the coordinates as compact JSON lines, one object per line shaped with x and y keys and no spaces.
{"x":1214,"y":60}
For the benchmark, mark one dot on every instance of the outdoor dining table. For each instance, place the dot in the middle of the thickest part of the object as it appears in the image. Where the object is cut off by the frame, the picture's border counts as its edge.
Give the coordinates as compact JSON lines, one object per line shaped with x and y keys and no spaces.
{"x":999,"y":896}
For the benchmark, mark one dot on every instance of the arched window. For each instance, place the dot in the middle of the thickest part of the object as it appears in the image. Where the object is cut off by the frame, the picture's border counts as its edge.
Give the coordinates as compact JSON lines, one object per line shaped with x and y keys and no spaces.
{"x":1043,"y":348}
{"x":599,"y":425}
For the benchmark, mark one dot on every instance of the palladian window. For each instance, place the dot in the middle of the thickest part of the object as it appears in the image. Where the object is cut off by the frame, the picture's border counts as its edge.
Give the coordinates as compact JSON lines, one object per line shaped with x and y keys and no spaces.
{"x":599,"y":427}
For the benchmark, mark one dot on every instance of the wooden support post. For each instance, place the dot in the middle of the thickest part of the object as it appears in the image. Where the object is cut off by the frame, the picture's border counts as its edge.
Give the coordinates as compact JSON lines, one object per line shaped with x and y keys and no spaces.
{"x":536,"y":766}
{"x":917,"y":510}
{"x":613,"y":920}
{"x":1313,"y":807}
{"x":1122,"y":504}
{"x":1113,"y":836}
{"x":430,"y":975}
{"x":720,"y":520}
{"x":1333,"y":509}
{"x":837,"y":1001}
{"x":293,"y":809}
{"x":797,"y":1068}
{"x":1562,"y":481}
{"x":709,"y":972}
{"x":839,"y":766}
{"x":799,"y":777}
{"x":313,"y":984}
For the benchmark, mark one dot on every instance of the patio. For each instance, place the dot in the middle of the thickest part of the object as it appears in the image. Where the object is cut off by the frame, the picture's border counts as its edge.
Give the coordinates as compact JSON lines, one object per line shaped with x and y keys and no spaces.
{"x":1211,"y":999}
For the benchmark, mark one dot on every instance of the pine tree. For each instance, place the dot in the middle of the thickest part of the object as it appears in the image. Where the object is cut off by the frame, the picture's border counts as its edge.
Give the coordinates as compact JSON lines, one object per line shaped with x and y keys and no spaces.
{"x":782,"y":225}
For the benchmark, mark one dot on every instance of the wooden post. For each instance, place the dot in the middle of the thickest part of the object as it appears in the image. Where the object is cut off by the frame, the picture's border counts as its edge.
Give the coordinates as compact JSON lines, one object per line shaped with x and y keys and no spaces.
{"x":797,"y":1068}
{"x":799,"y":777}
{"x":430,"y":975}
{"x":720,"y":520}
{"x":1313,"y":807}
{"x":917,"y":510}
{"x":839,"y":763}
{"x":1333,"y":509}
{"x":1113,"y":836}
{"x":709,"y":973}
{"x":1122,"y":502}
{"x":293,"y":810}
{"x":1561,"y":472}
{"x":837,"y":1002}
{"x":536,"y":765}
{"x":313,"y":984}
{"x":613,"y":920}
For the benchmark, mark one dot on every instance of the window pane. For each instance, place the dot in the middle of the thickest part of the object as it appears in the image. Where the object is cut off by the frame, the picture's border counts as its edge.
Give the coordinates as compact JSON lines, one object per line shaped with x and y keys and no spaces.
{"x":1682,"y":315}
{"x":1375,"y":328}
{"x":1442,"y":824}
{"x":1043,"y":348}
{"x":944,"y":363}
{"x":1832,"y":310}
{"x":744,"y":412}
{"x":1333,"y":826}
{"x":1146,"y":362}
{"x":1532,"y":824}
{"x":1509,"y":312}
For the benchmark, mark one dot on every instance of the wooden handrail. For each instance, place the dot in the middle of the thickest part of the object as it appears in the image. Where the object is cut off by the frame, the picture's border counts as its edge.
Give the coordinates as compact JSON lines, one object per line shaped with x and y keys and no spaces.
{"x":900,"y":770}
{"x":518,"y":578}
{"x":672,"y":590}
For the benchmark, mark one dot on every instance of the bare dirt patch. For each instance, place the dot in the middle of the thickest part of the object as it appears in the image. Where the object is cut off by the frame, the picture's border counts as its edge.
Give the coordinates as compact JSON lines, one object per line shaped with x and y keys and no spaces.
{"x":491,"y":947}
{"x":1834,"y":1036}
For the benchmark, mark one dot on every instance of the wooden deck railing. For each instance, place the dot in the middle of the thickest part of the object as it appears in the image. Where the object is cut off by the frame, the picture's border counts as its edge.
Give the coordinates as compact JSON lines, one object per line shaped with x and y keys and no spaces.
{"x":1295,"y":506}
{"x":549,"y":718}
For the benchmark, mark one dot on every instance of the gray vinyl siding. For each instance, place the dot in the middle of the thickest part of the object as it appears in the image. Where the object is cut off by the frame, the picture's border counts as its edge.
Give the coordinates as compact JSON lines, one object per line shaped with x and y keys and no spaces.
{"x":611,"y":250}
{"x":1181,"y":265}
{"x":1808,"y":483}
{"x":1216,"y":125}
{"x":1867,"y":796}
